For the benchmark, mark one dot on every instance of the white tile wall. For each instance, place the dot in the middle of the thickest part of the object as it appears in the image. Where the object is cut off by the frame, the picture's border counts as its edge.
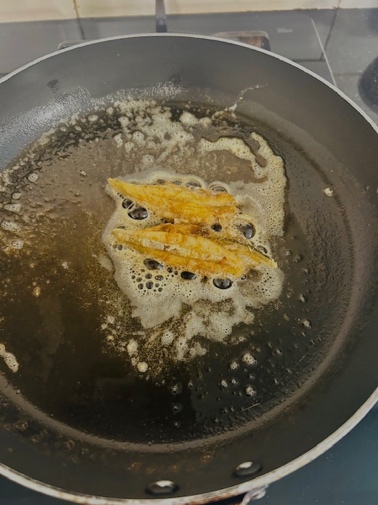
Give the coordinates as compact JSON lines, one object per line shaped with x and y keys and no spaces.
{"x":192,"y":6}
{"x":102,"y":8}
{"x":32,"y":10}
{"x":355,"y":4}
{"x":105,"y":8}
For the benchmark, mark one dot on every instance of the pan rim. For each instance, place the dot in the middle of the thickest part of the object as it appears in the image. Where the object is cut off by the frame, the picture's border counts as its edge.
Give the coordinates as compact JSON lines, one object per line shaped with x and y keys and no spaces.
{"x":259,"y":482}
{"x":245,"y":487}
{"x":201,"y":37}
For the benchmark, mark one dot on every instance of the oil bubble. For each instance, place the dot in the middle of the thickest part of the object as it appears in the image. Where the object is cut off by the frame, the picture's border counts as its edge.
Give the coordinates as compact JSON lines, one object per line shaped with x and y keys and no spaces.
{"x":142,"y":366}
{"x":33,"y":177}
{"x":306,"y":323}
{"x":250,"y":391}
{"x":248,"y":359}
{"x":177,"y":407}
{"x":132,"y":347}
{"x":139,"y":213}
{"x":222,"y":283}
{"x":37,"y":292}
{"x":126,"y":203}
{"x":188,"y":275}
{"x":17,"y":244}
{"x":13,"y":207}
{"x":176,"y":389}
{"x":167,"y":338}
{"x":11,"y":226}
{"x":193,"y":184}
{"x":247,"y":230}
{"x":223,"y":384}
{"x":218,"y":187}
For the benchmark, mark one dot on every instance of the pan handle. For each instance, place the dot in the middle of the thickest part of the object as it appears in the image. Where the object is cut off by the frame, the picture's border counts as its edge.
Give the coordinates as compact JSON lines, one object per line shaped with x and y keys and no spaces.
{"x":254,"y":494}
{"x":161,"y":17}
{"x":248,"y":498}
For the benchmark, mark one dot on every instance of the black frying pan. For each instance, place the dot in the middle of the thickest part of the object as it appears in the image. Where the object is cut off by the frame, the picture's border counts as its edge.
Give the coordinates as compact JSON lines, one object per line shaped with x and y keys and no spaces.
{"x":76,"y":422}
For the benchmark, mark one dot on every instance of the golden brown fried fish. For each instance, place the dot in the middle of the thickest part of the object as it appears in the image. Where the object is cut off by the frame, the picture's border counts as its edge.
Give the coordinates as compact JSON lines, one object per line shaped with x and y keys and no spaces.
{"x":172,"y":202}
{"x":185,"y":246}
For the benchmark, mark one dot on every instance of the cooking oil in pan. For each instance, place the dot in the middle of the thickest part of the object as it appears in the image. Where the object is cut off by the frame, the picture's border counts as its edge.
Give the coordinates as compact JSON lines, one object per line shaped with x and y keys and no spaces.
{"x":82,"y":357}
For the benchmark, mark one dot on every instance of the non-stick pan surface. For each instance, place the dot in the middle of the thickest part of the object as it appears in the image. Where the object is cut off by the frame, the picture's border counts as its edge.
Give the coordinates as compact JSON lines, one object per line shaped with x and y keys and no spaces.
{"x":78,"y":419}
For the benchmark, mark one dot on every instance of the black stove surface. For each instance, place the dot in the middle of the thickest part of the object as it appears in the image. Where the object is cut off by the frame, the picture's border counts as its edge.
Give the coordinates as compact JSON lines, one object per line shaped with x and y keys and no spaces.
{"x":341,"y":46}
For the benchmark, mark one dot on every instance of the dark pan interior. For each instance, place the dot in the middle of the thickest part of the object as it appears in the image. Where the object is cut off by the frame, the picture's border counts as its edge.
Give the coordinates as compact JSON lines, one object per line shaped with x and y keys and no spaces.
{"x":79,"y":419}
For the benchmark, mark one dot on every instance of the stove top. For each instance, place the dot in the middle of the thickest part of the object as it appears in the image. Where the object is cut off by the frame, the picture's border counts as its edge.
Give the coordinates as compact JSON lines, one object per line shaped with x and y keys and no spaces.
{"x":340,"y":45}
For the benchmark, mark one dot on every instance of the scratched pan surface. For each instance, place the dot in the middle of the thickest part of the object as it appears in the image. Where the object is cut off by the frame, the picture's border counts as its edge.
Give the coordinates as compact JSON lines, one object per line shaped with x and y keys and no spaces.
{"x":80,"y":419}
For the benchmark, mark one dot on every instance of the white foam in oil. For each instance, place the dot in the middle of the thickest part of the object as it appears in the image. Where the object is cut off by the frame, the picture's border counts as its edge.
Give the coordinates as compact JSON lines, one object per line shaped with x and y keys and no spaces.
{"x":9,"y":359}
{"x":181,"y":314}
